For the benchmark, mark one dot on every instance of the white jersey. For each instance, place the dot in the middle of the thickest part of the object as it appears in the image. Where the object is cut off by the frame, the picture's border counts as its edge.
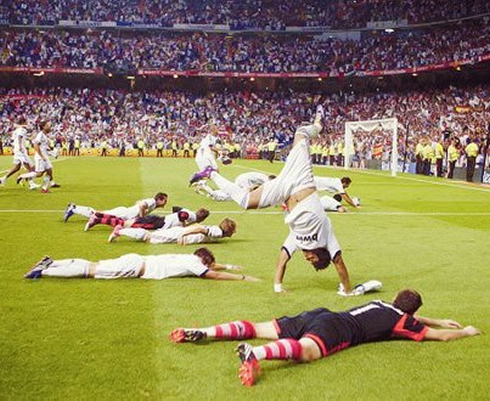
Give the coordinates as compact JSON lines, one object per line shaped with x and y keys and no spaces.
{"x":132,"y":212}
{"x":251,"y":180}
{"x":310,"y":228}
{"x":42,"y":140}
{"x":172,"y":235}
{"x":183,"y":217}
{"x":328,"y":184}
{"x":159,"y":267}
{"x":208,"y":141}
{"x":19,"y":140}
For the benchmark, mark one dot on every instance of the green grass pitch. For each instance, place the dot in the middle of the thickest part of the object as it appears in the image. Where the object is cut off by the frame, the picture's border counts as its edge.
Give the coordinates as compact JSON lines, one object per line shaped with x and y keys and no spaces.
{"x":87,"y":339}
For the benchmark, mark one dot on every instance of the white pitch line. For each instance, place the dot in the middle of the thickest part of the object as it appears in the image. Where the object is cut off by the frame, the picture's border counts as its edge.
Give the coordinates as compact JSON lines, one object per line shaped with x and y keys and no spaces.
{"x":281,"y":213}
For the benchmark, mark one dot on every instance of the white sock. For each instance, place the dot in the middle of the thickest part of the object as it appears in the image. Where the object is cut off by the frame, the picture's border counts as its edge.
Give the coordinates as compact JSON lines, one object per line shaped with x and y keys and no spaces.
{"x":28,"y":176}
{"x":84,"y":211}
{"x":259,"y":352}
{"x":67,"y":268}
{"x":238,"y":194}
{"x":310,"y":131}
{"x":46,"y":182}
{"x":136,"y":233}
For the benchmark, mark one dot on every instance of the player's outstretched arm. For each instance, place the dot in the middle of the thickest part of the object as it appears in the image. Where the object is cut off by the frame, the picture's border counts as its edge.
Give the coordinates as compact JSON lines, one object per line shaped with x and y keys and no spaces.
{"x":345,"y":196}
{"x":219,"y":266}
{"x":214,"y":275}
{"x":442,"y":323}
{"x":281,"y":270}
{"x":448,"y":335}
{"x":143,"y":208}
{"x":339,"y":264}
{"x":190,"y":230}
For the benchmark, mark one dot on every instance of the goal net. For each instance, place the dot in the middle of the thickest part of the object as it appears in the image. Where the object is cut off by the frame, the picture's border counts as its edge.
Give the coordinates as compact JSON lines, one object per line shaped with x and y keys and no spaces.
{"x":361,"y":137}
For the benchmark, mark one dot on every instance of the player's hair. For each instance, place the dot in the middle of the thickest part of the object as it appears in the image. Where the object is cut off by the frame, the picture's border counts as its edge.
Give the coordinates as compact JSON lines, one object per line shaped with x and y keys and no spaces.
{"x":22,"y":121}
{"x":408,"y":301}
{"x":228,"y":226}
{"x":206,"y":256}
{"x":324,"y":258}
{"x":345,"y":180}
{"x":43,"y":123}
{"x":201,"y":215}
{"x":160,"y":196}
{"x":272,"y":176}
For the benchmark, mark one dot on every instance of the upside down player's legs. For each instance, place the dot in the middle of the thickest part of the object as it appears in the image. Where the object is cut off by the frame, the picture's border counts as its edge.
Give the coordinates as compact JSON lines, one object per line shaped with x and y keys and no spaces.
{"x":295,"y":176}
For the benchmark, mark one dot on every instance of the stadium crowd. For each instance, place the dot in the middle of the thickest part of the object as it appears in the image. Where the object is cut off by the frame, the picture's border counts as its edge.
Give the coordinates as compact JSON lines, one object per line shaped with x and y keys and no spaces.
{"x":249,"y":121}
{"x":376,"y":51}
{"x":270,"y":14}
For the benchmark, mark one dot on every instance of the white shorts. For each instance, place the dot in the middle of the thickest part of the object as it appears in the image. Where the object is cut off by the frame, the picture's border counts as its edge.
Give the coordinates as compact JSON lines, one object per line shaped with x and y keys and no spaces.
{"x":204,"y":158}
{"x":295,"y":176}
{"x":42,"y":165}
{"x":329,"y":203}
{"x":129,"y":265}
{"x":124,"y":212}
{"x":21,"y":158}
{"x":168,"y":236}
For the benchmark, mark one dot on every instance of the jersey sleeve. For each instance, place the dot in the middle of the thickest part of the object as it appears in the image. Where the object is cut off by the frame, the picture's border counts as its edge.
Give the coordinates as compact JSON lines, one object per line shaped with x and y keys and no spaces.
{"x":198,"y":269}
{"x":409,"y":327}
{"x":214,"y":232}
{"x":38,"y":138}
{"x":289,"y":245}
{"x":183,"y":215}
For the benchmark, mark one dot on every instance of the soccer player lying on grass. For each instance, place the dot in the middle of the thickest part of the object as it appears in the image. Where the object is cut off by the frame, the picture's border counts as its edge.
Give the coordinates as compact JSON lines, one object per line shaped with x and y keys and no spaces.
{"x":248,"y":181}
{"x":193,"y":234}
{"x":181,"y":218}
{"x":310,"y":229}
{"x":155,"y":267}
{"x":320,"y":332}
{"x":336,"y":186}
{"x":140,"y":209}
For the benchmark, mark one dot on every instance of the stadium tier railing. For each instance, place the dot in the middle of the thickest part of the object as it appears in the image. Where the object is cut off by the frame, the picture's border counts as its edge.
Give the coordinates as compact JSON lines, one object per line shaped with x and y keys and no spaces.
{"x":230,"y":74}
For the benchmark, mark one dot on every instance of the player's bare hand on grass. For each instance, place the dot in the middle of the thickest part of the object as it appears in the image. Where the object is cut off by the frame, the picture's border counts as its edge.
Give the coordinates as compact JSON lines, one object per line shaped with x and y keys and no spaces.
{"x":449,"y":324}
{"x":252,"y":279}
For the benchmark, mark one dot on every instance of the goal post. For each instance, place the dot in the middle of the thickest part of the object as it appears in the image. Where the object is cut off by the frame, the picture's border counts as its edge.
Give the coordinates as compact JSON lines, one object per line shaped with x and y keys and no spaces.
{"x":387,"y":124}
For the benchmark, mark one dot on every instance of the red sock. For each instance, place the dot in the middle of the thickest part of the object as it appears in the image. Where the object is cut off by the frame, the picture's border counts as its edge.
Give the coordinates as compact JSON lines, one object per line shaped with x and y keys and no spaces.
{"x":111,"y":220}
{"x":240,"y":330}
{"x":281,"y":349}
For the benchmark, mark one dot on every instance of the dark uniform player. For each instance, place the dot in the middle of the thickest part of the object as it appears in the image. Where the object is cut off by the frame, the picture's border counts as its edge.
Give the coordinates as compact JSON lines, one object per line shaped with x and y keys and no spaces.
{"x":180,"y":217}
{"x":321,"y":332}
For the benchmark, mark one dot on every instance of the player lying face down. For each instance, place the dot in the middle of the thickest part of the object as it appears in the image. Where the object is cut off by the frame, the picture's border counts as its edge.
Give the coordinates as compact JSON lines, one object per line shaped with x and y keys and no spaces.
{"x":156,"y":267}
{"x":310,"y":229}
{"x":140,"y":209}
{"x":320,"y":332}
{"x":181,"y":218}
{"x":193,"y":234}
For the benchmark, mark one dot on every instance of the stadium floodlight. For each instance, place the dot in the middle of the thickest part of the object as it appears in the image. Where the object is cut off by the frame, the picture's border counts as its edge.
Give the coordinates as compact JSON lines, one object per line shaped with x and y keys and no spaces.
{"x":387,"y":124}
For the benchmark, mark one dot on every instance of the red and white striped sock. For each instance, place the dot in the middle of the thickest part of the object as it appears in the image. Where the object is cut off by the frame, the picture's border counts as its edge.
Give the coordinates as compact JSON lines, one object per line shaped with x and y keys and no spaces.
{"x":286,"y":348}
{"x":239,"y":330}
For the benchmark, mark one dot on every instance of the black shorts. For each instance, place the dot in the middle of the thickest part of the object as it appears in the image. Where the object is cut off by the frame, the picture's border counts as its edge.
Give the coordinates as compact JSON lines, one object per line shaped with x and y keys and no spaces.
{"x":149,"y":222}
{"x":321,"y":325}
